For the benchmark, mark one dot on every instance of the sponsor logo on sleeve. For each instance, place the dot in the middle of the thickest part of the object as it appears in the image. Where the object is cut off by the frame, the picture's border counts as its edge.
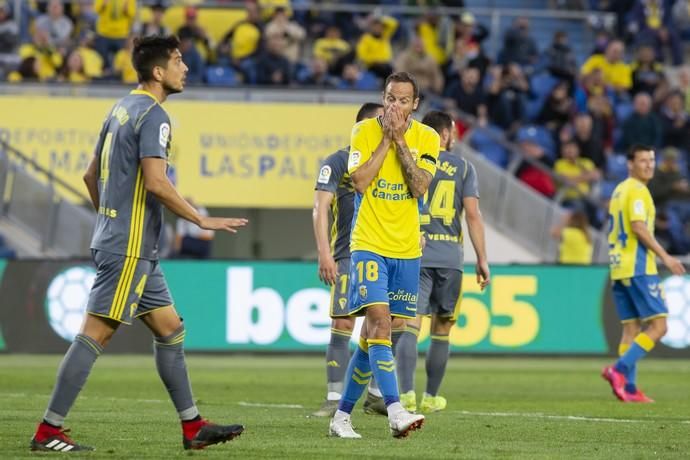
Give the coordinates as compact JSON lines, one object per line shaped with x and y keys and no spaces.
{"x":354,"y":159}
{"x":164,"y":134}
{"x":324,"y":175}
{"x":638,"y":207}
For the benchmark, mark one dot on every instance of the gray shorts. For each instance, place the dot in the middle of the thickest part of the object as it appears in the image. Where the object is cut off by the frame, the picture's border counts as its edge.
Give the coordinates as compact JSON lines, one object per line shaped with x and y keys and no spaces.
{"x":440,"y":292}
{"x":126,"y":287}
{"x":339,"y":291}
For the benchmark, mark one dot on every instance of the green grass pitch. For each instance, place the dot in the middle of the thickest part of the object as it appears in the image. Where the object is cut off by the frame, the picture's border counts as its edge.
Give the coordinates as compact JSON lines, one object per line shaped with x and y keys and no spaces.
{"x":497,"y":408}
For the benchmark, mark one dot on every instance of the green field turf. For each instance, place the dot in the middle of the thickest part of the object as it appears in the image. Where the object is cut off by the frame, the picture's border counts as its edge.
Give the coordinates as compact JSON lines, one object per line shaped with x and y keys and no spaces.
{"x":498,"y":408}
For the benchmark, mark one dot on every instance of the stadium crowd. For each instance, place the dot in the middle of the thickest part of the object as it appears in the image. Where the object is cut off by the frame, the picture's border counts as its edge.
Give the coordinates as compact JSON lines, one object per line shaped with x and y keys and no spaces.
{"x":572,"y":116}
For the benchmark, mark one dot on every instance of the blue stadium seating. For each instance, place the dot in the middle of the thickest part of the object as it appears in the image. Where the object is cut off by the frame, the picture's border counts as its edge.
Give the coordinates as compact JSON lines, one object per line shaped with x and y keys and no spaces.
{"x":221,"y":76}
{"x":483,"y":140}
{"x":616,"y":167}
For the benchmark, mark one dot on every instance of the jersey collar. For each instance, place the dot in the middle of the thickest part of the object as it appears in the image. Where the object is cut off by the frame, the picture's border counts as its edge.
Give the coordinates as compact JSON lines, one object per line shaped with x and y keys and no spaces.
{"x":145,"y":93}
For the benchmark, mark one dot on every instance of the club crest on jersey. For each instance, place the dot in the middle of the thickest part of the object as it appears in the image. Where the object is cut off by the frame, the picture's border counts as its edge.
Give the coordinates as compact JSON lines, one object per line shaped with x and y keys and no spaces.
{"x":164,"y":134}
{"x":342,"y":303}
{"x":354,"y":159}
{"x":363,"y":292}
{"x":324,"y":174}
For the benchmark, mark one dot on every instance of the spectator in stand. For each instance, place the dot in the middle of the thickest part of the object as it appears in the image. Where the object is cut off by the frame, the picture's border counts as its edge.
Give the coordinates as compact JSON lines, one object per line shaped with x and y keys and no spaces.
{"x":9,"y":33}
{"x":242,"y":43}
{"x":681,"y":17}
{"x":272,"y":68}
{"x":292,"y":34}
{"x":73,"y":71}
{"x":603,"y":123}
{"x":93,"y":62}
{"x":557,"y":109}
{"x":428,"y":31}
{"x":576,"y":242}
{"x":616,"y":73}
{"x":115,"y":19}
{"x":467,"y":94}
{"x":560,"y":59}
{"x":642,"y":126}
{"x":675,"y":122}
{"x":48,"y":59}
{"x":374,"y":49}
{"x":465,"y":49}
{"x":506,"y":95}
{"x":647,"y":73}
{"x":84,"y":17}
{"x":652,"y":23}
{"x":518,"y":46}
{"x":123,"y":68}
{"x":671,"y":194}
{"x":589,"y":138}
{"x":355,"y":78}
{"x":668,"y":185}
{"x":156,"y":27}
{"x":576,"y":173}
{"x":192,"y":28}
{"x":332,"y":48}
{"x":27,"y":70}
{"x":192,"y":59}
{"x":317,"y":75}
{"x":415,"y":60}
{"x":534,"y":174}
{"x":58,"y":26}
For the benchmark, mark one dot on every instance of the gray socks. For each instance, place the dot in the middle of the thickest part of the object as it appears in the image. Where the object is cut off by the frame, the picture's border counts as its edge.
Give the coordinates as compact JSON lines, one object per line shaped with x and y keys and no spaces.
{"x":337,"y":359}
{"x":169,"y":354}
{"x":72,"y":374}
{"x":436,"y":360}
{"x":406,"y":358}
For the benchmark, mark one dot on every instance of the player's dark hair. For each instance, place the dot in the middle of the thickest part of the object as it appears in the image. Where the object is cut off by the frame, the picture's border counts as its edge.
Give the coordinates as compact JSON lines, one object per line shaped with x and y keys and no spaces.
{"x":438,"y":120}
{"x":402,"y":77}
{"x":638,"y":148}
{"x":368,"y":110}
{"x":150,"y":52}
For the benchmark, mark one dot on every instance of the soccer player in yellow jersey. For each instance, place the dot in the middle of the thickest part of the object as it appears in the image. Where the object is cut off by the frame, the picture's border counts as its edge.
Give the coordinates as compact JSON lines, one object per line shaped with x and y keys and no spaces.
{"x":392,"y":161}
{"x":637,"y":292}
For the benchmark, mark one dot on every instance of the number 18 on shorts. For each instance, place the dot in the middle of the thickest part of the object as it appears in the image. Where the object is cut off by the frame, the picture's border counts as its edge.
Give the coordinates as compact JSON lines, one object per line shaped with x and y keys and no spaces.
{"x":376,"y":279}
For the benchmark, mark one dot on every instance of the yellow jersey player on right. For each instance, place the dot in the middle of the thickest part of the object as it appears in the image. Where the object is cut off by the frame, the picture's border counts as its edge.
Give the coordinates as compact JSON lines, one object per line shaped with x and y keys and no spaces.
{"x":637,"y":291}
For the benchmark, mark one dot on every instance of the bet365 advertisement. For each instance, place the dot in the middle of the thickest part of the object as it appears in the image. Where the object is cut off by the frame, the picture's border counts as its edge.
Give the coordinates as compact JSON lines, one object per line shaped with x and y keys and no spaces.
{"x":282,"y":307}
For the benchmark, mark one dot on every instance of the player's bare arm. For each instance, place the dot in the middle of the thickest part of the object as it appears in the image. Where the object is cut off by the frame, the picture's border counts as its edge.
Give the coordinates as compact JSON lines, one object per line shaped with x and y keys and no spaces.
{"x":639,"y":228}
{"x":475,"y":227}
{"x":417,"y":179}
{"x":91,"y":181}
{"x":157,"y":183}
{"x":328,"y":270}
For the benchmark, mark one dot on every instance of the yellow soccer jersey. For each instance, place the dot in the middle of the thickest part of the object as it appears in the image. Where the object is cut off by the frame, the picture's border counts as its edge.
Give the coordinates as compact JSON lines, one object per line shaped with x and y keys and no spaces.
{"x":631,"y":201}
{"x":386,"y":218}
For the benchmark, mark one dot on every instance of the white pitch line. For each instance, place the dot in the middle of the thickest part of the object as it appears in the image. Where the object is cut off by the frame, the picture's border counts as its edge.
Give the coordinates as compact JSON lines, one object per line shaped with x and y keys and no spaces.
{"x":573,"y":418}
{"x":275,"y":406}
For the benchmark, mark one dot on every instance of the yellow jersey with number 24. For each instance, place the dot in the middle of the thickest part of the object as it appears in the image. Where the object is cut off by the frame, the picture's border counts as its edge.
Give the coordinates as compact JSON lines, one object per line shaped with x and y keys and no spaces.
{"x":628,"y":257}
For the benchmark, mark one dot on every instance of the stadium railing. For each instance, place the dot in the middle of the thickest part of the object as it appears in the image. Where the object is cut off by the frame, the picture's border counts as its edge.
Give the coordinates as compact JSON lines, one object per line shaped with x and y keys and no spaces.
{"x":43,"y":206}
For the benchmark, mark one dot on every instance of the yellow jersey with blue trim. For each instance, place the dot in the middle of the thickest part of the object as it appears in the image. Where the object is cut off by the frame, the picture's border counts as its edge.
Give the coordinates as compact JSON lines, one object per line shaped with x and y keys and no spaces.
{"x":387,"y":217}
{"x":628,"y":257}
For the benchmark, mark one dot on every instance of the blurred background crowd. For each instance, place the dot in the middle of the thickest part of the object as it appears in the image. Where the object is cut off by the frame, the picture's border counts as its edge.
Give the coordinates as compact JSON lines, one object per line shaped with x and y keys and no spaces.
{"x":556,"y":102}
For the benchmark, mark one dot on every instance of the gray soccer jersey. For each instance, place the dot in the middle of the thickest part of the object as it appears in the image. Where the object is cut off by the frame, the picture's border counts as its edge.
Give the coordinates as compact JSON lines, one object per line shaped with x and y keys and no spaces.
{"x":129,"y":220}
{"x":455,"y":179}
{"x":333,"y":177}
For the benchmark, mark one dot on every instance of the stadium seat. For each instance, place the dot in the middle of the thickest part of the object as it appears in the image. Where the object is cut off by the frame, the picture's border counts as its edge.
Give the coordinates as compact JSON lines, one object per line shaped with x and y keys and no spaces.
{"x":221,"y":76}
{"x":483,"y":140}
{"x":616,"y":167}
{"x":541,"y":85}
{"x":607,"y":187}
